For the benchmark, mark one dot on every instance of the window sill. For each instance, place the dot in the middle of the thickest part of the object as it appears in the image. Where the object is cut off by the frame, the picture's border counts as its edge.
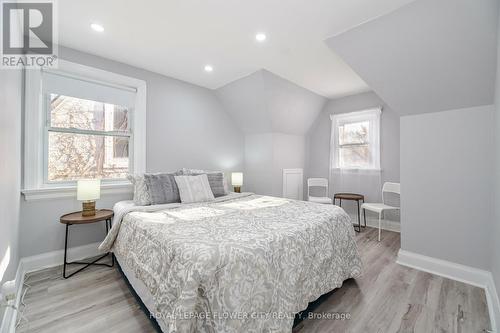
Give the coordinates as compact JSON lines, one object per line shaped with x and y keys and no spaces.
{"x":70,"y":191}
{"x":357,"y":169}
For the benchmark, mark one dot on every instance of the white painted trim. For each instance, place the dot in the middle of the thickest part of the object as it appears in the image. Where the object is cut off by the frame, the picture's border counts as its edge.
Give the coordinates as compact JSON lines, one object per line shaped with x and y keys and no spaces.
{"x":34,"y":121}
{"x":70,"y":191}
{"x":493,"y":303}
{"x":36,"y":263}
{"x":8,"y":324}
{"x":296,"y":171}
{"x":55,"y":258}
{"x":458,"y":272}
{"x":361,"y":113}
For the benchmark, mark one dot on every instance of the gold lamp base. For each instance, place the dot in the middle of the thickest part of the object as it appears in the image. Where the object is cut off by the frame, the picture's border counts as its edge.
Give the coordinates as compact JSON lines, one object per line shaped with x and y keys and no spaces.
{"x":237,"y":189}
{"x":88,"y":208}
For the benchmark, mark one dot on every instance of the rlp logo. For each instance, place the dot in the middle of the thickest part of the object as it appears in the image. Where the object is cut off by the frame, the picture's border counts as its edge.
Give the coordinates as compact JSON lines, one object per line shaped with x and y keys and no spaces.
{"x":27,"y":28}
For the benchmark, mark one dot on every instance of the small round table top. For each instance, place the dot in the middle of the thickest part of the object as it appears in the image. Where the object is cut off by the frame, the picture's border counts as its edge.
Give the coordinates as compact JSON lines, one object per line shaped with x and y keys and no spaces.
{"x":349,"y":196}
{"x":77,"y":218}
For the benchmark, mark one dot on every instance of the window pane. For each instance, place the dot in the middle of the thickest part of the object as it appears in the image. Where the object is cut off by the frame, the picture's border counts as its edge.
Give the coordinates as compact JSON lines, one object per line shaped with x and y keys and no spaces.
{"x":76,"y":156}
{"x":355,"y":157}
{"x":354,"y":133}
{"x":120,"y":147}
{"x":71,"y":112}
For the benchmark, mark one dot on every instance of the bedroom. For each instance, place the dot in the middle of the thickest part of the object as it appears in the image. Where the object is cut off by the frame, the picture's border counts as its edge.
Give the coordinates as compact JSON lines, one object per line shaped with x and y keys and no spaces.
{"x":196,"y":130}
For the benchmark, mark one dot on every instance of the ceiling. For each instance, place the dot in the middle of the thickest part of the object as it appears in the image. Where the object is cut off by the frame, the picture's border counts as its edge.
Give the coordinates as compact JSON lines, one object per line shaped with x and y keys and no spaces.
{"x":263,"y":102}
{"x":427,"y":56}
{"x":178,"y":38}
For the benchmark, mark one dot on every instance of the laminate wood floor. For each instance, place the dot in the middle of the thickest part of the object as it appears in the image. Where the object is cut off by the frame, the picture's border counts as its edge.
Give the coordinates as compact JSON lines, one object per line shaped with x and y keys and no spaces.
{"x":387,"y":298}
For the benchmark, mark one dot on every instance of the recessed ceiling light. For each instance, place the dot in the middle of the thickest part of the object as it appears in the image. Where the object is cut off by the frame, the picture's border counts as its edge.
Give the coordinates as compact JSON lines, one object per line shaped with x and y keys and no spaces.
{"x":209,"y":68}
{"x":260,"y":37}
{"x":97,"y":27}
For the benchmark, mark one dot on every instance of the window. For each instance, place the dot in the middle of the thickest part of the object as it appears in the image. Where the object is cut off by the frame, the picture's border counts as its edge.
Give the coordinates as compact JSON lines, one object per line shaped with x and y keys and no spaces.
{"x":82,"y":123}
{"x":86,"y":139}
{"x":355,"y":140}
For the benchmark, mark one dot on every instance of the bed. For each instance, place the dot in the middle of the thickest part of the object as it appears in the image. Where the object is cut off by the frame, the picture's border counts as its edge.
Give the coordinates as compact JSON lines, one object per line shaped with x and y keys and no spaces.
{"x":240,"y":263}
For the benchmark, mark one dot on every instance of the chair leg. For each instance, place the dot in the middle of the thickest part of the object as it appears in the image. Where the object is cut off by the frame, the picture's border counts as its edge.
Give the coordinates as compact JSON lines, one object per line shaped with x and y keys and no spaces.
{"x":364,"y":215}
{"x":379,"y":224}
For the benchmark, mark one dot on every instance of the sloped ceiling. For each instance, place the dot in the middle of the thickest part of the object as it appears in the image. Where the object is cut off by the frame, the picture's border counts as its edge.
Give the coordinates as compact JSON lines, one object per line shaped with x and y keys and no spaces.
{"x":264,"y":102}
{"x":177,"y":38}
{"x":430,"y":55}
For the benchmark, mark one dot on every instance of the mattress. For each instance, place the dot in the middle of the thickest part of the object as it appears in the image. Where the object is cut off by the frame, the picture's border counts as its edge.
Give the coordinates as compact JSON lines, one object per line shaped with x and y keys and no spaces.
{"x":241,"y":263}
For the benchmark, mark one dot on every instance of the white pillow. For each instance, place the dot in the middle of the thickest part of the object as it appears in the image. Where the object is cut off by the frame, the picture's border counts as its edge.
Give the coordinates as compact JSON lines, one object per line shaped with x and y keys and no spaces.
{"x":186,"y":171}
{"x":194,"y":188}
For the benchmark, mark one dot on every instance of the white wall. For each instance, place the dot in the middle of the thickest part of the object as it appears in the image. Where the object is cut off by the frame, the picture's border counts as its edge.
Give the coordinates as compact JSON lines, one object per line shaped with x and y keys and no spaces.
{"x":10,"y":171}
{"x":446,"y":174}
{"x":318,"y":139}
{"x":186,"y":127}
{"x":266,"y":155}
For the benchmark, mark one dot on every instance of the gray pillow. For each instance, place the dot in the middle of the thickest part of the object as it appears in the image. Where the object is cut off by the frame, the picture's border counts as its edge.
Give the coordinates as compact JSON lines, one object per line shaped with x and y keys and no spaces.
{"x":187,"y":172}
{"x":162,"y":188}
{"x":216,"y":181}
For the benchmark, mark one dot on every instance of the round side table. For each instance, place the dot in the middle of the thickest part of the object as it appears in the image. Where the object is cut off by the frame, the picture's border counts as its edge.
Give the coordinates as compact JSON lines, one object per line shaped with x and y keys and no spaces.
{"x":351,"y":197}
{"x":77,"y":218}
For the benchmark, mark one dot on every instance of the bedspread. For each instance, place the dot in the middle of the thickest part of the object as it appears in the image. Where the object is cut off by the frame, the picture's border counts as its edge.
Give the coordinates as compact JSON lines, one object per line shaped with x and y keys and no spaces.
{"x":242,"y":263}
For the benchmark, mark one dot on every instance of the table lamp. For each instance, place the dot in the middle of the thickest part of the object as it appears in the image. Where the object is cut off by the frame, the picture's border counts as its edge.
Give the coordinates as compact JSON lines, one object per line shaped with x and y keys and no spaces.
{"x":88,"y":191}
{"x":237,"y":181}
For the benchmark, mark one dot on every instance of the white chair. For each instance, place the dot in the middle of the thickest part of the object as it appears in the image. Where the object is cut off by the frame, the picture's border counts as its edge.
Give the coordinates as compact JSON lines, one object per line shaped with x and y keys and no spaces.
{"x":318,"y":182}
{"x":380,"y":208}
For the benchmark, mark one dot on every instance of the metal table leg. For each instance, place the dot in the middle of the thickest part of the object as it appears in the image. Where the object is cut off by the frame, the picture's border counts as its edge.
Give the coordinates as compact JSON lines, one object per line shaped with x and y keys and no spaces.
{"x":359,"y":218}
{"x":87,"y":264}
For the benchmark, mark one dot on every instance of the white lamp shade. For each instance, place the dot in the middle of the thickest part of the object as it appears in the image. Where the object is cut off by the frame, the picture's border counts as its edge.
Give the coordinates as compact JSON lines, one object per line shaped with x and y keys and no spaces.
{"x":237,"y":178}
{"x":88,"y":190}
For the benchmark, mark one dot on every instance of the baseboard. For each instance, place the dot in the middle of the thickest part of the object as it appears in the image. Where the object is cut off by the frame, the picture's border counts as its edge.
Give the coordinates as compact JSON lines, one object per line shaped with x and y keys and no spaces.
{"x":55,"y":258}
{"x":466,"y":274}
{"x":36,"y":263}
{"x":493,"y":303}
{"x":9,"y":320}
{"x":371,"y":222}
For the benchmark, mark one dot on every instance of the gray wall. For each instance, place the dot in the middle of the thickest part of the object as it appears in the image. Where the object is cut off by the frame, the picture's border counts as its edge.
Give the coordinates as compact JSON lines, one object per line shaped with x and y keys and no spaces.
{"x":426,"y":56}
{"x":318,"y":138}
{"x":266,"y":155}
{"x":266,"y":103}
{"x":186,"y":127}
{"x":274,"y":114}
{"x":446,"y":175}
{"x":258,"y":163}
{"x":495,"y":244}
{"x":289,"y":153}
{"x":10,"y":170}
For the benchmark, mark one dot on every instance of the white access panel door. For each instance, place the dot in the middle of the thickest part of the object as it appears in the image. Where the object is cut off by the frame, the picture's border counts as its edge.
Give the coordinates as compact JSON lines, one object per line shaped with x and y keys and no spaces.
{"x":293,"y":184}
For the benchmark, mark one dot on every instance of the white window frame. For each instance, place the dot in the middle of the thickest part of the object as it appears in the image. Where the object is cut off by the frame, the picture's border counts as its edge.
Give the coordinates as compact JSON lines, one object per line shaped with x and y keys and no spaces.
{"x":35,"y":136}
{"x":373,"y":117}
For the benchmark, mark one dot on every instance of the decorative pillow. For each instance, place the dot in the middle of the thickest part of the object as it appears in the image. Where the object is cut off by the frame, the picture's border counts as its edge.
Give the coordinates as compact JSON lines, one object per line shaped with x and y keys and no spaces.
{"x":162,"y":188}
{"x":194,"y":188}
{"x":193,"y":172}
{"x":216,"y":181}
{"x":141,"y":193}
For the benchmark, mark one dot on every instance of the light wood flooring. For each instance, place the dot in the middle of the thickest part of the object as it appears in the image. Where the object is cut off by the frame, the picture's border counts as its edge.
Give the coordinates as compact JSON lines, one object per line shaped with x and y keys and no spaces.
{"x":387,"y":298}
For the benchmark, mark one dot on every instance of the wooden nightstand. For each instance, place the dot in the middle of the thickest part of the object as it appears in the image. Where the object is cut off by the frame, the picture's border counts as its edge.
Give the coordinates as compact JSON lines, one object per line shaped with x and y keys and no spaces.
{"x":77,"y":218}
